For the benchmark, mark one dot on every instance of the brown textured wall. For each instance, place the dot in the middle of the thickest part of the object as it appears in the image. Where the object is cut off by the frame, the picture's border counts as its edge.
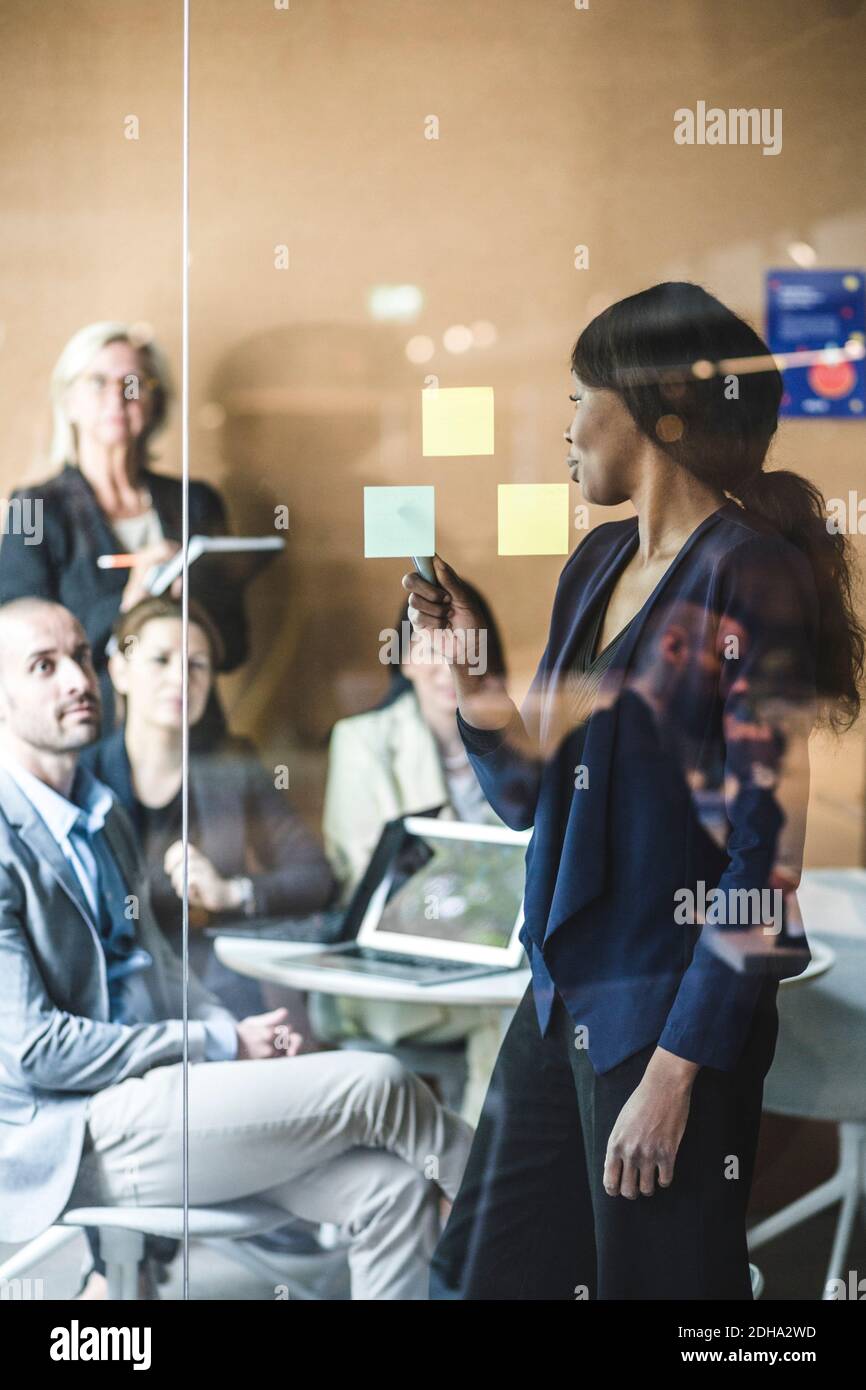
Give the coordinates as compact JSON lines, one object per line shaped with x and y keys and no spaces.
{"x":308,"y":129}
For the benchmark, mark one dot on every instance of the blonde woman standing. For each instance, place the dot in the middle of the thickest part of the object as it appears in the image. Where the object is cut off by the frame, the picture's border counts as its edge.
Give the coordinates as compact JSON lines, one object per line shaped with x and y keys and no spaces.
{"x":110,"y":392}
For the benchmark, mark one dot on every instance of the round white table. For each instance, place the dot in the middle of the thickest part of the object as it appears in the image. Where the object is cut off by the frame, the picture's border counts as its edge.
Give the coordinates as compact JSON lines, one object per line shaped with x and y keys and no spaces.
{"x":273,"y":961}
{"x":278,"y":963}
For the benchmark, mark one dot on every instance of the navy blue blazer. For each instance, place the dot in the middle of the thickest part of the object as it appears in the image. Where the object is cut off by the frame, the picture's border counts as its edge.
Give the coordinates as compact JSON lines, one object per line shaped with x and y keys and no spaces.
{"x":690,"y":774}
{"x":244,"y":826}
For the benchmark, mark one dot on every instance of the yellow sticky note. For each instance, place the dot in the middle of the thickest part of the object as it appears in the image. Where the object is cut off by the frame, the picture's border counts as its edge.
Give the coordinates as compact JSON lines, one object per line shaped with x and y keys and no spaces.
{"x":456,"y":421}
{"x":534,"y":518}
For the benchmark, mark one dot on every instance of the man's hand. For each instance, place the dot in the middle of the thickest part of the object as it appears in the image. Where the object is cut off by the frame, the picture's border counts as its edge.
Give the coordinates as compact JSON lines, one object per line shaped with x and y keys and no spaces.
{"x":649,"y":1128}
{"x":207,"y":887}
{"x":267,"y":1035}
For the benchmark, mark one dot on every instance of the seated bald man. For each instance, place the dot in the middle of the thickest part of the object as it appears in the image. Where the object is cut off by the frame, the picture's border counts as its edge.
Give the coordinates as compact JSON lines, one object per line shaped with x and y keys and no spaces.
{"x":91,"y":1035}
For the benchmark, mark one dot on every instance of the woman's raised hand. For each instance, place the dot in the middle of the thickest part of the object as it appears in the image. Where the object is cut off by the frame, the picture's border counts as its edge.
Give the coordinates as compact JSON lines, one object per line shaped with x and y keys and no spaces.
{"x":457,"y":630}
{"x":446,"y":607}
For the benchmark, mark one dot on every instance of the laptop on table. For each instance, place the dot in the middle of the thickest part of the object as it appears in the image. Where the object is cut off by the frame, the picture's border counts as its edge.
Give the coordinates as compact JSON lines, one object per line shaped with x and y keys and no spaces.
{"x":440,"y":901}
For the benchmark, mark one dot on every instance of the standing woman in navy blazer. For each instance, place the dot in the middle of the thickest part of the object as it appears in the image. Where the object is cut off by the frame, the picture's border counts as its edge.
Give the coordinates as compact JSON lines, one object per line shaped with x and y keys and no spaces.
{"x":661,"y":757}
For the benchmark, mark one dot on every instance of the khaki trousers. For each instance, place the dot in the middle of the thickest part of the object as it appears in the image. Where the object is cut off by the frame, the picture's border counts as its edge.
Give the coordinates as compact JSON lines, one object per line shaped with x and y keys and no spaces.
{"x":337,"y":1017}
{"x":348,"y":1138}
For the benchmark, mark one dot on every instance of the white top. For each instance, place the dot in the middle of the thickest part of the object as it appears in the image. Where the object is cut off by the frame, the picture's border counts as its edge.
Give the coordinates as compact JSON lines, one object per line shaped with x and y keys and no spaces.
{"x":138,"y":532}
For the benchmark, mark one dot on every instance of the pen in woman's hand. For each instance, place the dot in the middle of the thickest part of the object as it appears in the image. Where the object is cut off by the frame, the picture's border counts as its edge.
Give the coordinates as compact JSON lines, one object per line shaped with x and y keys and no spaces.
{"x":449,"y":607}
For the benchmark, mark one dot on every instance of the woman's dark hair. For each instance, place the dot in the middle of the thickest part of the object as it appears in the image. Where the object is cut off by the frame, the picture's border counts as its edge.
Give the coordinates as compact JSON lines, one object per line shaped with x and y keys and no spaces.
{"x":399,"y":683}
{"x":703,"y":386}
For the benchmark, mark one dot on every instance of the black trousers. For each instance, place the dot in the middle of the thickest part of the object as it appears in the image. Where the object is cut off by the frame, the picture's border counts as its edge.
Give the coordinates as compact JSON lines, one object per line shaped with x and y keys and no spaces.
{"x":532,"y":1219}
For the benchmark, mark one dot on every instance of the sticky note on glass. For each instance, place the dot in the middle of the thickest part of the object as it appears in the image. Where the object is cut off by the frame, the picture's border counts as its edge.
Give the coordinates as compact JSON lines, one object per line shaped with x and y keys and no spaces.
{"x":399,"y":521}
{"x":456,"y":421}
{"x":534,"y":518}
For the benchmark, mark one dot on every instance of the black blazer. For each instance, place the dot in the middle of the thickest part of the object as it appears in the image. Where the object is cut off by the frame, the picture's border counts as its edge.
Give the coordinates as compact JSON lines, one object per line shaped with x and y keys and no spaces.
{"x":244,"y":825}
{"x":689,"y":776}
{"x":246,"y":828}
{"x":75,"y":531}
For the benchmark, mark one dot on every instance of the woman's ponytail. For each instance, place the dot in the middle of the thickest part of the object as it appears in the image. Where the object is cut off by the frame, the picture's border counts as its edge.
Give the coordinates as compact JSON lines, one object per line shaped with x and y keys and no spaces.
{"x":796,"y":508}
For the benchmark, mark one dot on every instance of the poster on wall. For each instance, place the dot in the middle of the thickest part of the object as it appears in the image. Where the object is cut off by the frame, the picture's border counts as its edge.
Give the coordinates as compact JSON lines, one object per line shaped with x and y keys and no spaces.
{"x":814,"y":311}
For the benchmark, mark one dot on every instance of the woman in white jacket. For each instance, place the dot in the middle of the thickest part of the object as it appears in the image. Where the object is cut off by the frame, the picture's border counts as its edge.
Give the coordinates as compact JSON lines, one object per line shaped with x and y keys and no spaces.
{"x":406,"y":756}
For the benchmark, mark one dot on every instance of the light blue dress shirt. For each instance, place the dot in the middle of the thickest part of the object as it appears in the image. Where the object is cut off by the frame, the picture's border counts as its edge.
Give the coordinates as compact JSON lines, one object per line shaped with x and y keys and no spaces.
{"x":76,"y":825}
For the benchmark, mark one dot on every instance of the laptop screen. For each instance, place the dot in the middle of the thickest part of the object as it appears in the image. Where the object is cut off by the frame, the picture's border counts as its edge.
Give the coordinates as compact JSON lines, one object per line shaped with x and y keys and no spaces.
{"x":451,"y":889}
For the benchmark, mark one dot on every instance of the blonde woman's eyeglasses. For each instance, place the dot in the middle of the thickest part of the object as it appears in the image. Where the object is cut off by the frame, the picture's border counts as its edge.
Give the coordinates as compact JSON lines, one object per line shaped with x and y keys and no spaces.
{"x":131,"y":387}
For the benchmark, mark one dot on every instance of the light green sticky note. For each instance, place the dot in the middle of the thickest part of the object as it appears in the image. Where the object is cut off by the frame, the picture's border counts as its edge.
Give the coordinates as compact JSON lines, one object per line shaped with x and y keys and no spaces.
{"x":534,"y":518}
{"x":399,"y":521}
{"x":456,"y":421}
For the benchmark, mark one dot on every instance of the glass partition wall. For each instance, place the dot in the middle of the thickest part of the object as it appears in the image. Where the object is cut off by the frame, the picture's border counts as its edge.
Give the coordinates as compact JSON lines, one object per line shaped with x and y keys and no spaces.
{"x":292,"y":294}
